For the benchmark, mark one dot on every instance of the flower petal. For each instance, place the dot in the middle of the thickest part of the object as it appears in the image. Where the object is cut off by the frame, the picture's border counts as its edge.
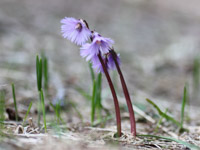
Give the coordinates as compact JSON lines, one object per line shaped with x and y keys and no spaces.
{"x":76,"y":35}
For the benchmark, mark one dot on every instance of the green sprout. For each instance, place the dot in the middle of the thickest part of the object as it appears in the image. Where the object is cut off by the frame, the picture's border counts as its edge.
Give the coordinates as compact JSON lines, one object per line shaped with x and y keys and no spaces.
{"x":91,"y":71}
{"x":43,"y":110}
{"x":2,"y":108}
{"x":98,"y":103}
{"x":164,"y":115}
{"x":39,"y":84}
{"x":29,"y":108}
{"x":183,"y":105}
{"x":15,"y":102}
{"x":93,"y":102}
{"x":84,"y":93}
{"x":160,"y":121}
{"x":39,"y":72}
{"x":57,"y":110}
{"x":96,"y":95}
{"x":76,"y":110}
{"x":184,"y":102}
{"x":46,"y":74}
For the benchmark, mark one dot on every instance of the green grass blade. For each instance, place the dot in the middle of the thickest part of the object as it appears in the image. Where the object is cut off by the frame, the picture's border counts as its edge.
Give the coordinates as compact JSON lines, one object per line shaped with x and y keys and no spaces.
{"x":29,"y":108}
{"x":77,"y":111}
{"x":93,"y":102}
{"x":91,"y":72}
{"x":43,"y":110}
{"x":40,"y":74}
{"x":39,"y":84}
{"x":83,"y":93}
{"x":183,"y":105}
{"x":162,"y":113}
{"x":39,"y":108}
{"x":54,"y":108}
{"x":46,"y":75}
{"x":191,"y":146}
{"x":160,"y":121}
{"x":187,"y":111}
{"x":98,"y":104}
{"x":2,"y":108}
{"x":15,"y":102}
{"x":57,"y":110}
{"x":37,"y":71}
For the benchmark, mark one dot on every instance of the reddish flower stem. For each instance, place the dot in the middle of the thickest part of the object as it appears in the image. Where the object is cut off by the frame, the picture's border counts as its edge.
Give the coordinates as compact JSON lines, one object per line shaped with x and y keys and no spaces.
{"x":126,"y":94}
{"x":117,"y":109}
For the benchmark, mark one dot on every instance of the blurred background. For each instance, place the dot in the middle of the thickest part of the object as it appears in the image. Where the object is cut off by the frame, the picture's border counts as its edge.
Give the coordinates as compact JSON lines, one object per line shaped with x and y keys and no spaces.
{"x":158,"y":42}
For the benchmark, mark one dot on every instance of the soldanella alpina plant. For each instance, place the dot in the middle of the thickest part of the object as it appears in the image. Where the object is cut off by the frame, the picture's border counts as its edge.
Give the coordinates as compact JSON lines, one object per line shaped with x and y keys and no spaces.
{"x":100,"y":53}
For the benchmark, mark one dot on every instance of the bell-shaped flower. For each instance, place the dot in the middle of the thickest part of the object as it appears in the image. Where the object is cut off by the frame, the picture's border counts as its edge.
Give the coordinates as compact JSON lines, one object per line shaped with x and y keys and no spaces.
{"x":111,"y":63}
{"x":75,"y":30}
{"x":99,"y":44}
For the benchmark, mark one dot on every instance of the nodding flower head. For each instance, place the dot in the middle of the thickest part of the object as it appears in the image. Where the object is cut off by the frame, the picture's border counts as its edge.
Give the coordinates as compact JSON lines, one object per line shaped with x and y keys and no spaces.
{"x":111,"y":63}
{"x":96,"y":64}
{"x":99,"y":44}
{"x":108,"y":61}
{"x":75,"y":30}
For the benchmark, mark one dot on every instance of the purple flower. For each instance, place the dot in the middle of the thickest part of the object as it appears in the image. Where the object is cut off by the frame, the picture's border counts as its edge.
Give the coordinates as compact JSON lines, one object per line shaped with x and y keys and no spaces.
{"x":99,"y":44}
{"x":96,"y":64}
{"x":108,"y":61}
{"x":111,"y":63}
{"x":75,"y":30}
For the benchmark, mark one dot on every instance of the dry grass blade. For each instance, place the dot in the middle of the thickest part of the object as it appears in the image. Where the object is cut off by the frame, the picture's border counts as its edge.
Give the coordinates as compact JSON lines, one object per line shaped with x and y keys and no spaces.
{"x":191,"y":146}
{"x":150,"y":119}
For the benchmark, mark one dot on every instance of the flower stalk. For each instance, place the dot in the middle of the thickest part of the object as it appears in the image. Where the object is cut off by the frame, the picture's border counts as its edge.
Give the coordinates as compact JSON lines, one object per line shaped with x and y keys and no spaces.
{"x":126,"y":94}
{"x":115,"y":99}
{"x":117,"y":109}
